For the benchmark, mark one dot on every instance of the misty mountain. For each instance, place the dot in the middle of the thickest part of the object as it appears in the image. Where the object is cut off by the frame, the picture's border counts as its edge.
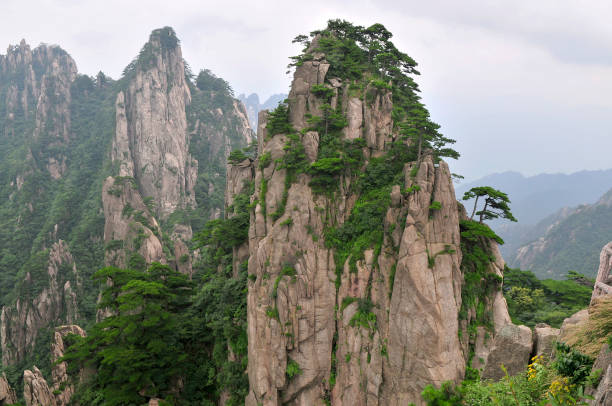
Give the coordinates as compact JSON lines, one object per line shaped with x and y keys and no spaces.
{"x":570,"y":239}
{"x":254,"y":106}
{"x":534,"y":198}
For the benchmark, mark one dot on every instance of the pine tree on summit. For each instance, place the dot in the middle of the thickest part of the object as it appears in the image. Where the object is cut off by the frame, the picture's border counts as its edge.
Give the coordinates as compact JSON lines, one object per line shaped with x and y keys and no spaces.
{"x":496,"y":203}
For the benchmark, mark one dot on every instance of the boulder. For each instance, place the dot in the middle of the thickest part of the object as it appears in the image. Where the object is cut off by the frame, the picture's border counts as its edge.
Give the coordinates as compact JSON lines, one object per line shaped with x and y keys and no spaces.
{"x":511,"y":348}
{"x":544,"y":339}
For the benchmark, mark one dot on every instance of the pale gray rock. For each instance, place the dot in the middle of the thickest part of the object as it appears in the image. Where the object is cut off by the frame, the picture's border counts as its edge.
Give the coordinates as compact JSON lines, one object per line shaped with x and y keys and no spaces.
{"x":55,"y":304}
{"x":603,"y":393}
{"x":7,"y":394}
{"x":511,"y":348}
{"x":36,"y":391}
{"x":604,"y":279}
{"x":571,"y":324}
{"x":544,"y":339}
{"x":62,"y":387}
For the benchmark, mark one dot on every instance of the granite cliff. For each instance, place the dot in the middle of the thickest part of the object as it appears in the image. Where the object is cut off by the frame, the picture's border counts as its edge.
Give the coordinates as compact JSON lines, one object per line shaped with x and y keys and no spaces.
{"x":357,"y":289}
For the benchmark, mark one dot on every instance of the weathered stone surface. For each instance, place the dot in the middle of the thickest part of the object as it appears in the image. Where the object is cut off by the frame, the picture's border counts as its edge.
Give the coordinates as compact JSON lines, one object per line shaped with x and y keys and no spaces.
{"x":62,"y":388}
{"x":128,"y":224}
{"x":55,"y":304}
{"x":571,"y":324}
{"x":544,"y":339}
{"x":603,"y":393}
{"x":155,"y":128}
{"x":415,"y":342}
{"x":604,"y":279}
{"x":41,"y":89}
{"x":36,"y":391}
{"x":511,"y":348}
{"x":7,"y":394}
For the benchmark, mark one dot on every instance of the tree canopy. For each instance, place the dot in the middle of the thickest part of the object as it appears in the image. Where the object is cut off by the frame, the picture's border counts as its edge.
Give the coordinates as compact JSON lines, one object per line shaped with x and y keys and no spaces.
{"x":496,"y":203}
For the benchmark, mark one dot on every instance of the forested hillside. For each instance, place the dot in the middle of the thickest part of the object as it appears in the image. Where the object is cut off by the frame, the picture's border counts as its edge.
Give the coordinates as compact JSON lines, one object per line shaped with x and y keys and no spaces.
{"x":58,"y":147}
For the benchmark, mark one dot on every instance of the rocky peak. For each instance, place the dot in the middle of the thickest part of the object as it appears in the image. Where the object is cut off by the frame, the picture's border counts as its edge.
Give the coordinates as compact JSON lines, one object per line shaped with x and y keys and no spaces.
{"x":362,"y":319}
{"x":151,"y":142}
{"x":39,"y":84}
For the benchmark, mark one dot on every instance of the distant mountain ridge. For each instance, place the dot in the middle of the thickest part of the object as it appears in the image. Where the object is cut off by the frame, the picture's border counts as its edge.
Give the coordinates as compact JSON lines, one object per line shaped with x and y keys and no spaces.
{"x":543,"y":204}
{"x":254,"y":106}
{"x":568,"y":240}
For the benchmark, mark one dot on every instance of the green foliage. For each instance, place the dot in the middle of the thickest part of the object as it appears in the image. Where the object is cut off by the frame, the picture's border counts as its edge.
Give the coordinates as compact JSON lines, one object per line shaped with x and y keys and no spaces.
{"x":435,"y":205}
{"x":364,"y":317}
{"x":447,"y":395}
{"x":572,"y":364}
{"x":496,"y":203}
{"x":209,"y":82}
{"x":137,"y":349}
{"x":541,"y":385}
{"x":293,"y":369}
{"x":531,"y":300}
{"x":278,"y":121}
{"x":366,"y":58}
{"x":264,"y":160}
{"x":236,"y":156}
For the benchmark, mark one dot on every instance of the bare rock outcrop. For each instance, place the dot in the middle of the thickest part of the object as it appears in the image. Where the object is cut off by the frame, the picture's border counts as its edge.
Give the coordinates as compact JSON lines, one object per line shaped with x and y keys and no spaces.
{"x":54,"y":304}
{"x":156,"y":173}
{"x":544,"y":339}
{"x":573,"y":323}
{"x":7,"y":394}
{"x":62,"y":388}
{"x":385,"y":325}
{"x":36,"y":391}
{"x":511,"y":348}
{"x":151,"y":142}
{"x":40,"y":91}
{"x":602,"y":395}
{"x":603,"y":283}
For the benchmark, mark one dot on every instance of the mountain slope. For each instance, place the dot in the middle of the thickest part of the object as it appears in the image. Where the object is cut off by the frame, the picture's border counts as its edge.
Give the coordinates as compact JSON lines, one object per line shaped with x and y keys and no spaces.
{"x":96,"y":171}
{"x":534,"y":198}
{"x":571,"y":240}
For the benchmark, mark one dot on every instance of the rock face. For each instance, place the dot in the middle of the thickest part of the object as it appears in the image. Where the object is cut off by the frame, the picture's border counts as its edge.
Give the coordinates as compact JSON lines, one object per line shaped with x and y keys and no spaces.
{"x":161,"y":120}
{"x":343,"y":331}
{"x":603,"y":393}
{"x":151,"y":151}
{"x":571,"y":324}
{"x":604,"y":279}
{"x":36,"y":391}
{"x":62,"y":389}
{"x":55,"y":304}
{"x":511,"y":348}
{"x":40,"y":89}
{"x":151,"y":139}
{"x":544,"y":339}
{"x":7,"y":394}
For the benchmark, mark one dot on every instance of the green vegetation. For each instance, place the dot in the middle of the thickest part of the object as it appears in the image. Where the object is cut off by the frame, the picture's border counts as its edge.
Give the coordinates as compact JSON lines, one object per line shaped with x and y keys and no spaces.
{"x":560,"y":382}
{"x":293,"y":369}
{"x":138,"y":350}
{"x":531,"y":300}
{"x":496,"y":203}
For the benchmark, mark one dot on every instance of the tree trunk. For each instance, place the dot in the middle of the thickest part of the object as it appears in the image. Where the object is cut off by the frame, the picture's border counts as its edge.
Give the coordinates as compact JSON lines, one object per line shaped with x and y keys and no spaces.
{"x":483,"y":210}
{"x":474,"y":210}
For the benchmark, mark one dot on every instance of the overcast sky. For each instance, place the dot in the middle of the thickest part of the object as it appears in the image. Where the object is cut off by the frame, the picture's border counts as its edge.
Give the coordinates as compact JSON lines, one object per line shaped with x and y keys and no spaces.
{"x":521,"y":85}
